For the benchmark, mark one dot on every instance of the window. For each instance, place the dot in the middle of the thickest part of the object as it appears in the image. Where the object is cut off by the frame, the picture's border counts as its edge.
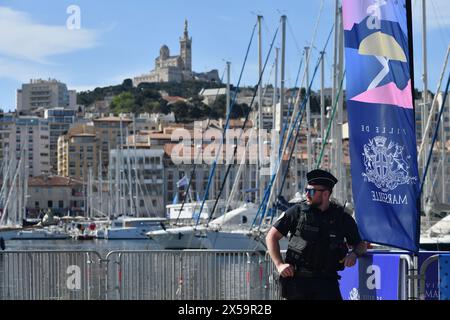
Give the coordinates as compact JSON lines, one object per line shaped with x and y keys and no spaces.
{"x":50,"y":204}
{"x":61,"y":204}
{"x":154,"y":202}
{"x":141,"y":203}
{"x":36,"y":204}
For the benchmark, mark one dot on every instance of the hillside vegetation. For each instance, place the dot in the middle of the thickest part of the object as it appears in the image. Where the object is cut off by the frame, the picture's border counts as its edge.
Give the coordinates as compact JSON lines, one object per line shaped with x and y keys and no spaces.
{"x":147,"y":98}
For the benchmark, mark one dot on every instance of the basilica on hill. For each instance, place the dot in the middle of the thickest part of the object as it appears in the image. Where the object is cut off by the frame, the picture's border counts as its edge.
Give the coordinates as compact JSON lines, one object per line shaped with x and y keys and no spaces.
{"x":176,"y":68}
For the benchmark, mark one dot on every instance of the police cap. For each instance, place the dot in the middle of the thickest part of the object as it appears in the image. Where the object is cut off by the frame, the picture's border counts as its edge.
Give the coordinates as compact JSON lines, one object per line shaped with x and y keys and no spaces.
{"x":321,"y":177}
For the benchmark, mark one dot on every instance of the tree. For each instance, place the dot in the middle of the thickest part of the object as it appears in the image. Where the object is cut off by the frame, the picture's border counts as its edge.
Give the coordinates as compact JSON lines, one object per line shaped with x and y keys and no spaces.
{"x":124,"y":102}
{"x":127,"y":84}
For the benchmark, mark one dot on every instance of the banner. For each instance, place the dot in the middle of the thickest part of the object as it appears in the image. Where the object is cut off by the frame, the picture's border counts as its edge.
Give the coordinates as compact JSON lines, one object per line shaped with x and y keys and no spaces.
{"x":374,"y":277}
{"x":431,"y":276}
{"x":444,"y":278}
{"x":383,"y":154}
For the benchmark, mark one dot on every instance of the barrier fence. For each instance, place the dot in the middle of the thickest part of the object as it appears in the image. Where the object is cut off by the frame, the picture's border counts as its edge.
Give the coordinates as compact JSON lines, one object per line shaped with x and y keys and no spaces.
{"x":437,"y":285}
{"x":50,"y":275}
{"x":200,"y":275}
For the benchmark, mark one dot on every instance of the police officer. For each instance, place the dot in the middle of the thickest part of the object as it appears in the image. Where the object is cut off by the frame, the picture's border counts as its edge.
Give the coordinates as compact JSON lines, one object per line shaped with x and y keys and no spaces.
{"x":320,"y":232}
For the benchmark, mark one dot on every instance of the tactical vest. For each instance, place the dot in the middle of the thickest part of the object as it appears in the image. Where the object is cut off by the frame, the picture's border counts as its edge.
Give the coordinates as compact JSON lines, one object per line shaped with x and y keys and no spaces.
{"x":317,"y":246}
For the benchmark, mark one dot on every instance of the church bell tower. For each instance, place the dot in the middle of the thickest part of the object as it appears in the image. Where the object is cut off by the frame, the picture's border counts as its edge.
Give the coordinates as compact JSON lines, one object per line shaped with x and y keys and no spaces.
{"x":186,"y":50}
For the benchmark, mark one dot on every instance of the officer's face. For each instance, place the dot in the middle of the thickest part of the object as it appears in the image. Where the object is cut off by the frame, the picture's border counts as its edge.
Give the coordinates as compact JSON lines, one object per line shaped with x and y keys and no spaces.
{"x":315,"y":195}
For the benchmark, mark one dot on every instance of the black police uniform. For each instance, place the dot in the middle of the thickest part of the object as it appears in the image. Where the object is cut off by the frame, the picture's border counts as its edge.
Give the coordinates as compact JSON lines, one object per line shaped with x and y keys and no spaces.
{"x":318,"y":241}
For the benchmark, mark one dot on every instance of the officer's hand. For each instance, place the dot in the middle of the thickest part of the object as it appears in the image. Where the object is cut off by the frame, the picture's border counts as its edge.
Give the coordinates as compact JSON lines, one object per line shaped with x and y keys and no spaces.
{"x":285,"y":270}
{"x":350,"y":259}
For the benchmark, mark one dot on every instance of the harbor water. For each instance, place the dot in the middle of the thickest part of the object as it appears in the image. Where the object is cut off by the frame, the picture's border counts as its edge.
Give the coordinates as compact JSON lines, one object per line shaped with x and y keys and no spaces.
{"x":101,"y":246}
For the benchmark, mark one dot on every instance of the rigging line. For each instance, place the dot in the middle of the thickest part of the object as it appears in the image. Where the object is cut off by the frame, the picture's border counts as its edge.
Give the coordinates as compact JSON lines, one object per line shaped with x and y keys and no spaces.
{"x":438,"y":122}
{"x":293,"y":36}
{"x":265,"y":26}
{"x":198,"y":155}
{"x":269,"y":190}
{"x":226,"y":125}
{"x":294,"y":120}
{"x":297,"y":100}
{"x":317,"y":24}
{"x":294,"y":124}
{"x":325,"y":140}
{"x":243,"y":126}
{"x":290,"y":103}
{"x":438,"y":20}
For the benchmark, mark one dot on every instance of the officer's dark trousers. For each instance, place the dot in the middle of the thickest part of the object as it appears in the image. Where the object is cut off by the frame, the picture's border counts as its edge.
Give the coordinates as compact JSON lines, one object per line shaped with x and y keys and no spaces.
{"x":302,"y":288}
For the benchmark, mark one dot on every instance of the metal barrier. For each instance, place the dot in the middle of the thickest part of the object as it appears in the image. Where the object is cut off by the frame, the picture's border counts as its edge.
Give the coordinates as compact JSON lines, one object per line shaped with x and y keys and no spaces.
{"x":422,"y":275}
{"x":151,"y":275}
{"x":188,"y":274}
{"x":50,"y":275}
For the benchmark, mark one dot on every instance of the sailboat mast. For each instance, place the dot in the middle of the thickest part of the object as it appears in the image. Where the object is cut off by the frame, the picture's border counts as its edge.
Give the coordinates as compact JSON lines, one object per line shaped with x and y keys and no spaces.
{"x":341,"y":171}
{"x":130,"y":184}
{"x":260,"y":111}
{"x":322,"y":96}
{"x":308,"y":116}
{"x":333,"y":148}
{"x":443,"y":140}
{"x":228,"y":97}
{"x":100,"y":181}
{"x":136,"y":180}
{"x":282,"y":80}
{"x":121,"y":168}
{"x":90,"y":183}
{"x":425,"y":93}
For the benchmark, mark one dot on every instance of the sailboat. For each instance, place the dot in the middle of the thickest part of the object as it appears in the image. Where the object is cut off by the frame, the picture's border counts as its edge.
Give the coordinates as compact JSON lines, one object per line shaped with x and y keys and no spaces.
{"x":229,"y":231}
{"x":13,"y":196}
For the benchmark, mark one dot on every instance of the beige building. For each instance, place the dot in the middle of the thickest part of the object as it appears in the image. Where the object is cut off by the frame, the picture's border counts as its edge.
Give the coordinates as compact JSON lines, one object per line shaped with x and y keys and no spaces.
{"x":110,"y":132}
{"x":138,"y":180}
{"x":78,"y":152}
{"x":6,"y":122}
{"x":59,"y":121}
{"x":44,"y":94}
{"x":32,"y":135}
{"x":60,"y":194}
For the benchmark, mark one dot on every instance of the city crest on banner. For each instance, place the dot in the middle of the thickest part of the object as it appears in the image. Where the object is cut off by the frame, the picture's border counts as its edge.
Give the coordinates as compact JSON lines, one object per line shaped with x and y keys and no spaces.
{"x":380,"y":107}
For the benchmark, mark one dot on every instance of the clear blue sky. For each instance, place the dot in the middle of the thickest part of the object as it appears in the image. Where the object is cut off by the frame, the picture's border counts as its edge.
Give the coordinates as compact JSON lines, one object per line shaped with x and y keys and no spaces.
{"x":121,"y":39}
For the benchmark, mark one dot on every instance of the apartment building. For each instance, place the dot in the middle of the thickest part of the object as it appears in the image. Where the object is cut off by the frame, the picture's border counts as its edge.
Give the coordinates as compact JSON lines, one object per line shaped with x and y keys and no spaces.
{"x":62,"y":195}
{"x":138,"y":184}
{"x":32,"y":135}
{"x":111,"y":132}
{"x":60,"y":121}
{"x":44,"y":94}
{"x":78,"y":152}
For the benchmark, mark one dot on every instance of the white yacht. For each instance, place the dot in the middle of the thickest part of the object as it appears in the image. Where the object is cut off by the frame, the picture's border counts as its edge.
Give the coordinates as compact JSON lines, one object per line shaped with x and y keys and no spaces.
{"x":437,"y":237}
{"x":47,"y":233}
{"x":130,"y":228}
{"x":190,"y":211}
{"x":9,"y":232}
{"x":230,"y":231}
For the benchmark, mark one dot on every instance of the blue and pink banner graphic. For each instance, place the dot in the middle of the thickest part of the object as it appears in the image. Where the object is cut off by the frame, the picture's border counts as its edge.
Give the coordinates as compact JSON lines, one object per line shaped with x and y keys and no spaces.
{"x":385,"y":180}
